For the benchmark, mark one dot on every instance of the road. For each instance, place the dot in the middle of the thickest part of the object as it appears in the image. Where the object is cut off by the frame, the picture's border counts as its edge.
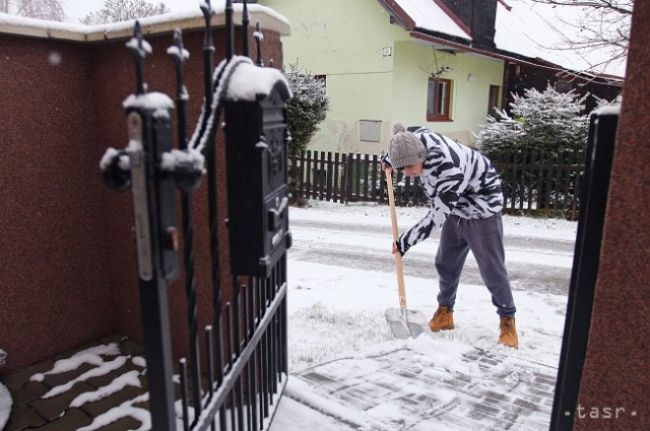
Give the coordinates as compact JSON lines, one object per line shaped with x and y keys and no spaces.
{"x":534,"y":264}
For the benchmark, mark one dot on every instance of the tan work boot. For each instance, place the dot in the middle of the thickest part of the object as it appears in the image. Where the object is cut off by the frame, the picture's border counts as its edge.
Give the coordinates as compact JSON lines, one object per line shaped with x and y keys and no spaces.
{"x":442,"y":319}
{"x":508,"y":332}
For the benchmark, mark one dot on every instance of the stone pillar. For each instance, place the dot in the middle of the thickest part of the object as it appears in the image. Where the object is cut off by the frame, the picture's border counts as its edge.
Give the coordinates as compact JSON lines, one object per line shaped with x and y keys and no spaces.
{"x":616,"y":377}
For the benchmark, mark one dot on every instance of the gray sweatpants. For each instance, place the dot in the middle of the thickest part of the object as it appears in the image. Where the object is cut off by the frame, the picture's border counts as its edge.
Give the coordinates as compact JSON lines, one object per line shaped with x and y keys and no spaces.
{"x":485,"y":238}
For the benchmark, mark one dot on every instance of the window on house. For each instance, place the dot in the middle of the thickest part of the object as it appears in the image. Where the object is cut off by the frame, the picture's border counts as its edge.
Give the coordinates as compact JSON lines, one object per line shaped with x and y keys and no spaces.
{"x":439,"y":99}
{"x":493,"y":101}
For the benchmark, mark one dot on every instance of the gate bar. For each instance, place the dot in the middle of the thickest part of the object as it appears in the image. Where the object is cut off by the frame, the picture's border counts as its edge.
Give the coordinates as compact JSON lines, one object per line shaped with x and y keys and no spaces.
{"x":229,"y":381}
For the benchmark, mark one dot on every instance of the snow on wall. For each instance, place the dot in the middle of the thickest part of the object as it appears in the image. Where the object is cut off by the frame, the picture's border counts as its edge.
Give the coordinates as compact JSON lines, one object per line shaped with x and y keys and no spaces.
{"x":269,"y":18}
{"x":429,"y":16}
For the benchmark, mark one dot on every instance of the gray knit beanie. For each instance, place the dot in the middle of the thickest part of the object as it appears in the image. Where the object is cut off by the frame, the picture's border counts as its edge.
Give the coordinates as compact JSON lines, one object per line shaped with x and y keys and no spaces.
{"x":405,"y":148}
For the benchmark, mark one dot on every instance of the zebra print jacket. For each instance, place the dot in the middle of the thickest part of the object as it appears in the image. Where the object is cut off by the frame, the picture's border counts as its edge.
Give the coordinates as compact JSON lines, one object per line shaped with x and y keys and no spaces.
{"x":457,"y":180}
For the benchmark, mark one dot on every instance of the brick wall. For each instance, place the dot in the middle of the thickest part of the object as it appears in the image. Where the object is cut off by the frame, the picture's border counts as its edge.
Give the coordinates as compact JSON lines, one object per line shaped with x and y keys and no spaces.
{"x":67,"y":248}
{"x":616,"y":374}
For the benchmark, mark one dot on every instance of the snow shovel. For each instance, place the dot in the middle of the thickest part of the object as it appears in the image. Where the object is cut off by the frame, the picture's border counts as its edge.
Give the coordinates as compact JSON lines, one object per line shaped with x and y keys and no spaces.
{"x":403,"y":322}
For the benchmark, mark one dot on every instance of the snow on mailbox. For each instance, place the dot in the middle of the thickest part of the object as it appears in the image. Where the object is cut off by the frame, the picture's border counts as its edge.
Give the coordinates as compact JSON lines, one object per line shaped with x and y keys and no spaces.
{"x":256,"y":149}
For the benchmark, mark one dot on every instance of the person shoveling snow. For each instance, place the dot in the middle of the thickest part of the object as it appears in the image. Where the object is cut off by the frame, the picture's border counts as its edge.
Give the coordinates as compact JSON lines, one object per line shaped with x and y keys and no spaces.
{"x":466,"y":202}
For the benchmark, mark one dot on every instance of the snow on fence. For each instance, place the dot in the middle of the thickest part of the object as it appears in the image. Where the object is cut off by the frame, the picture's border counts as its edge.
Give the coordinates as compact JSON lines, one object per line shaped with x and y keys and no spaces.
{"x":534,"y":183}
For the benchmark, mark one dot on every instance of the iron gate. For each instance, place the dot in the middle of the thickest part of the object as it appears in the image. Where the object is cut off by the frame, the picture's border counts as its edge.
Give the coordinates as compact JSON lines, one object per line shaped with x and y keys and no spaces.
{"x":237,"y":367}
{"x":594,"y":194}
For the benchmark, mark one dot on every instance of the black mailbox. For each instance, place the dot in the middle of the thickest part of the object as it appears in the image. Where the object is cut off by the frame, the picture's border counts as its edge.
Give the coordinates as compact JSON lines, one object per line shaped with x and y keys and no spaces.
{"x":258,"y":198}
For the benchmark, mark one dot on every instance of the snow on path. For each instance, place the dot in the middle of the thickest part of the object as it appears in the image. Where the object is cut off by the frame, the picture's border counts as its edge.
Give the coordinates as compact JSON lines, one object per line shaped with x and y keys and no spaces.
{"x":336,"y":311}
{"x":309,"y":419}
{"x":431,"y":385}
{"x":341,"y":280}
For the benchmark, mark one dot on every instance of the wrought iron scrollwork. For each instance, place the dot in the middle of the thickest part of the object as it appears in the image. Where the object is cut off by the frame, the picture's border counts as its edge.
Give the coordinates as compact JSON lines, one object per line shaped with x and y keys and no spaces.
{"x":244,"y":362}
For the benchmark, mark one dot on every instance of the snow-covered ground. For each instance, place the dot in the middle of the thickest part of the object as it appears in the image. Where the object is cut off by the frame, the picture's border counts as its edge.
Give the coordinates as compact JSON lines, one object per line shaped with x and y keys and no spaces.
{"x":342,"y":279}
{"x":368,"y":214}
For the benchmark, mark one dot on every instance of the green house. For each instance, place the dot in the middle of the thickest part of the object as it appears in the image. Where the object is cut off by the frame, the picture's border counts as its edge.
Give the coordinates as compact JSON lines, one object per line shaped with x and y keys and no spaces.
{"x":377,"y":72}
{"x":443,"y":64}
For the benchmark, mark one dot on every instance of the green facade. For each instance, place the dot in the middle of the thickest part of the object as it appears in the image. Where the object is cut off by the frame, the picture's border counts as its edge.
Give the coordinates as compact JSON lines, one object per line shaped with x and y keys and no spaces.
{"x":376,"y":71}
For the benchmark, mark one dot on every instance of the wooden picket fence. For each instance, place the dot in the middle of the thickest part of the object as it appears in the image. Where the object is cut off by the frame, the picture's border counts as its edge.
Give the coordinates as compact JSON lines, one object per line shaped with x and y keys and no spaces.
{"x":533,"y":183}
{"x":350,"y":177}
{"x":539,"y":184}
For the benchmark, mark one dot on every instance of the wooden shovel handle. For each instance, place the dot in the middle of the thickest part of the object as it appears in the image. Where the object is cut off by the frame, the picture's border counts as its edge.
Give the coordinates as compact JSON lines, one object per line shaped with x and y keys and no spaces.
{"x":398,"y":256}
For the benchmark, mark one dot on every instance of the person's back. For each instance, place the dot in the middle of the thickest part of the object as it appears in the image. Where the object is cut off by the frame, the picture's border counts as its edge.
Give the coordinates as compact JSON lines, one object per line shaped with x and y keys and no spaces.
{"x":480,"y":193}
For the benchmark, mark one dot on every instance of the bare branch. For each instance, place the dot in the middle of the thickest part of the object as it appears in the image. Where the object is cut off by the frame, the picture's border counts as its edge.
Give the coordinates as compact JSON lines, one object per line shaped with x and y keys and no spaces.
{"x":51,"y":10}
{"x":604,"y":25}
{"x":124,"y":10}
{"x":620,"y":6}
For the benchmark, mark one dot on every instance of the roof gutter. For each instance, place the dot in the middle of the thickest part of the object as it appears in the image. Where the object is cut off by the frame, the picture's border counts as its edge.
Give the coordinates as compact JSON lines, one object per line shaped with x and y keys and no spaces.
{"x":396,"y":10}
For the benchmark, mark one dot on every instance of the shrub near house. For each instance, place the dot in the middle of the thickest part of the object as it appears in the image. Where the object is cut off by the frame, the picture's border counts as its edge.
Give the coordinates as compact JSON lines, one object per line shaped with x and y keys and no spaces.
{"x":547,"y":121}
{"x":305,"y":111}
{"x":539,"y":149}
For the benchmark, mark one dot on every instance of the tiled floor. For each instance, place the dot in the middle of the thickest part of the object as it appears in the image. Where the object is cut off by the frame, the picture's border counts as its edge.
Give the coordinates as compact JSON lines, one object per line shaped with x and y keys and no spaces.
{"x":404,"y":390}
{"x":33,"y":411}
{"x":396,"y":390}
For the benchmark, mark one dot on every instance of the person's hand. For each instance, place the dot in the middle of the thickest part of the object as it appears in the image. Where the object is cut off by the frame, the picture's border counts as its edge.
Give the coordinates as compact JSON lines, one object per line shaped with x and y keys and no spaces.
{"x":395,"y":248}
{"x":385,"y":166}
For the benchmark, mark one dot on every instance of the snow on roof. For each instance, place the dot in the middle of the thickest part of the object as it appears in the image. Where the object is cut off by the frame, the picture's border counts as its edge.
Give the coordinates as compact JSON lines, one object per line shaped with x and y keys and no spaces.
{"x":544,"y":31}
{"x":268,"y":18}
{"x":428,"y":15}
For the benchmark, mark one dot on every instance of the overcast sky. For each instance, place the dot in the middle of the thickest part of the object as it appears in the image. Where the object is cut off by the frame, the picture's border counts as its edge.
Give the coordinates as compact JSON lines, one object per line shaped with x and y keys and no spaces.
{"x":76,"y":9}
